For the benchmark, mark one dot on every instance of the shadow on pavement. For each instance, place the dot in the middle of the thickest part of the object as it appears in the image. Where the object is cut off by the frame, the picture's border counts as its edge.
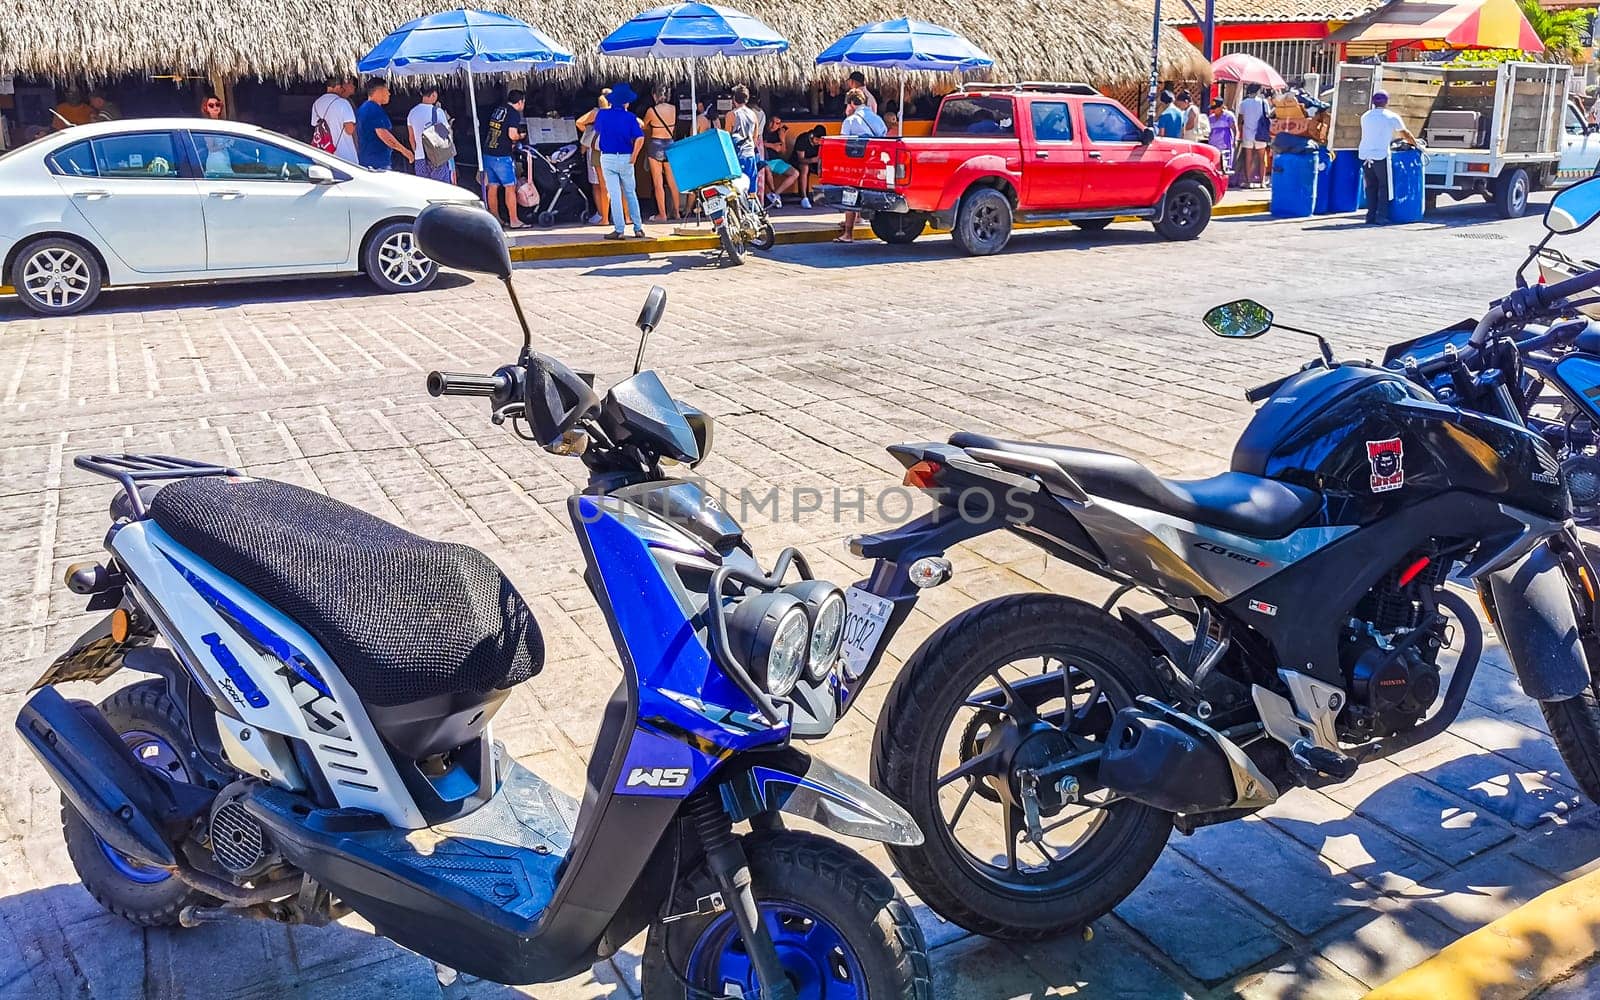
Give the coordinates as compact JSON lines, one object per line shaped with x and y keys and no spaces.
{"x":122,"y":301}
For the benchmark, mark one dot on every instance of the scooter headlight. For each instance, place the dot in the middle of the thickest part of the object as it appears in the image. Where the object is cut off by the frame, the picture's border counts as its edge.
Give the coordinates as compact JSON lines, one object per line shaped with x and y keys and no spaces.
{"x":770,"y":634}
{"x":826,"y":608}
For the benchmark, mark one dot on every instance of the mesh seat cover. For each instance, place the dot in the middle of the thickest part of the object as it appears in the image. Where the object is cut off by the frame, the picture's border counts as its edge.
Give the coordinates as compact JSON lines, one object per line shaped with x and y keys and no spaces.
{"x":404,"y":618}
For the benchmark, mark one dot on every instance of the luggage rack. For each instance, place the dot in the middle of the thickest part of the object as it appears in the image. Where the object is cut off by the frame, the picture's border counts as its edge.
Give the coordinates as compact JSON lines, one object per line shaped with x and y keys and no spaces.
{"x":1041,"y":86}
{"x":131,"y":470}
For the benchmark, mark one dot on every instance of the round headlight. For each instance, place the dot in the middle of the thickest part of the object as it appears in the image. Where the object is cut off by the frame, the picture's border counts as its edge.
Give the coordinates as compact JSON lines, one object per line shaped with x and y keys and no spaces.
{"x":769,"y":634}
{"x":825,"y":607}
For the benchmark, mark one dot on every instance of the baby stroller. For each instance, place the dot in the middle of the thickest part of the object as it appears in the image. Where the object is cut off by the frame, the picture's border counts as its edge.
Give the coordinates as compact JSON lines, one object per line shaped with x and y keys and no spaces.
{"x":563,"y":181}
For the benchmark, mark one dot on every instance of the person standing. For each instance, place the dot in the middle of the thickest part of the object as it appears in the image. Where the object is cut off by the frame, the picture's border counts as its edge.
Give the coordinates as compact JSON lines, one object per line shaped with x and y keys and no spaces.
{"x":859,"y":120}
{"x":589,"y":145}
{"x":1224,"y":132}
{"x":375,"y":141}
{"x":620,"y":139}
{"x":333,"y":120}
{"x":744,"y":127}
{"x":427,"y":114}
{"x":1169,"y":122}
{"x":1379,"y":126}
{"x":1196,"y":127}
{"x":660,"y":123}
{"x":858,"y":81}
{"x":104,"y":110}
{"x":505,"y":129}
{"x":1254,"y":125}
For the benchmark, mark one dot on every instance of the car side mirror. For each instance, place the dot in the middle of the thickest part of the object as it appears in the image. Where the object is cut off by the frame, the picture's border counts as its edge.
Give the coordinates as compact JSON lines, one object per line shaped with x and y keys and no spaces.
{"x":319,"y":174}
{"x":1147,"y":136}
{"x":1240,"y":320}
{"x":464,"y":237}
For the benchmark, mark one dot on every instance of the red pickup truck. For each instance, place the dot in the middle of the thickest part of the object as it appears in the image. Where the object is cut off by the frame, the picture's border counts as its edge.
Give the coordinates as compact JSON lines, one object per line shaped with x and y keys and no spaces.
{"x":1056,"y":152}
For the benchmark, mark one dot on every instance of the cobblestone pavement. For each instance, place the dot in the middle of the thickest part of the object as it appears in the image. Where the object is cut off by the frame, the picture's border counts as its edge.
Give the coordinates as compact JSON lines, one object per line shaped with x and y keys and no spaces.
{"x":811,"y":361}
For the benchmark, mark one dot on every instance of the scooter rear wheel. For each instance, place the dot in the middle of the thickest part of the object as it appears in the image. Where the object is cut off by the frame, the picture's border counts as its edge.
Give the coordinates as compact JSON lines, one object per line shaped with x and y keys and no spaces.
{"x":153,"y":727}
{"x":841,"y":931}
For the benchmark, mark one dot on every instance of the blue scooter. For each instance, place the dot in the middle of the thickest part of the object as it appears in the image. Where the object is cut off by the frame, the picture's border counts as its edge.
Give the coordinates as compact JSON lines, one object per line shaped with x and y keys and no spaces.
{"x":316,"y":738}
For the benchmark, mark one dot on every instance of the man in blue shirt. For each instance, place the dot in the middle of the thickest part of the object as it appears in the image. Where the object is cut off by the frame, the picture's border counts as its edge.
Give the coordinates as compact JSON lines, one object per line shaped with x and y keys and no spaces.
{"x":620,"y":139}
{"x":375,"y":141}
{"x":1170,"y":122}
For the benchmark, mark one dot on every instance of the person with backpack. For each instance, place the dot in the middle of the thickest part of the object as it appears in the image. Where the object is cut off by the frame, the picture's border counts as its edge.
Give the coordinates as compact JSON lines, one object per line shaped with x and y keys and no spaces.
{"x":333,"y":119}
{"x":859,"y":120}
{"x":433,"y":141}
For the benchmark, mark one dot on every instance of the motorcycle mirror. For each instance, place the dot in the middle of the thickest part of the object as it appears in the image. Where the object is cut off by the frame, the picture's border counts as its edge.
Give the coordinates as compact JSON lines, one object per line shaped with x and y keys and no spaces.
{"x":1573,"y":208}
{"x":1241,"y":320}
{"x":467,"y":238}
{"x":655,"y":305}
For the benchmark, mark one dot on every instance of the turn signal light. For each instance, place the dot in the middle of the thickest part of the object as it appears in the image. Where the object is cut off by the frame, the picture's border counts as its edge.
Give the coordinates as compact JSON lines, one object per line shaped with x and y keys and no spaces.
{"x":929,"y":571}
{"x":922,"y":475}
{"x":1588,"y":584}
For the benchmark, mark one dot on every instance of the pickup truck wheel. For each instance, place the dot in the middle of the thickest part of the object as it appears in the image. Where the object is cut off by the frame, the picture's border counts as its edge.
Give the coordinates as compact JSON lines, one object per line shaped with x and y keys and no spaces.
{"x":1511,"y":193}
{"x":983,"y":225}
{"x":1185,"y":211}
{"x":898,"y":228}
{"x":1091,"y":225}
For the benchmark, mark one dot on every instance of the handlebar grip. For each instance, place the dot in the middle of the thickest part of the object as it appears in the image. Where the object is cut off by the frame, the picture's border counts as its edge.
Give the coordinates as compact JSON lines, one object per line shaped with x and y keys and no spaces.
{"x":465,"y":384}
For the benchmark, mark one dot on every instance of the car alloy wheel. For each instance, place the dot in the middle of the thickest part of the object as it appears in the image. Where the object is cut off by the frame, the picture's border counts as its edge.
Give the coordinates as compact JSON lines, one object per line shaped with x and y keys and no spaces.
{"x":402,"y":262}
{"x":57,"y":277}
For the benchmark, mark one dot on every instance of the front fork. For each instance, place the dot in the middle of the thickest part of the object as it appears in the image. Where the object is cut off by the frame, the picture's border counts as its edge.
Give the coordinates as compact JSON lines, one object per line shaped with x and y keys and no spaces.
{"x":725,"y":859}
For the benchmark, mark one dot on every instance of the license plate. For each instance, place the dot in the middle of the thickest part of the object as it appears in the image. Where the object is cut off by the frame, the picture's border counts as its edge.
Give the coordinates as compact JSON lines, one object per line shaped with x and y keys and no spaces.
{"x":716,"y":204}
{"x":866,"y":616}
{"x":849,"y":196}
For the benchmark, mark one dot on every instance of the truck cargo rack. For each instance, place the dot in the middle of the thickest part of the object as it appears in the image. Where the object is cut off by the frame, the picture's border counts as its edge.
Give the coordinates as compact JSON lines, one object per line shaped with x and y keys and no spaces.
{"x":131,"y":470}
{"x":1041,"y":86}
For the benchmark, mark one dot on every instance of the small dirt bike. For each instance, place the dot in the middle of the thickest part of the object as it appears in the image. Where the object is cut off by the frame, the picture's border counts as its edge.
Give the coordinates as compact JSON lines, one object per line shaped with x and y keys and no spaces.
{"x":317,"y":736}
{"x":1297,"y":622}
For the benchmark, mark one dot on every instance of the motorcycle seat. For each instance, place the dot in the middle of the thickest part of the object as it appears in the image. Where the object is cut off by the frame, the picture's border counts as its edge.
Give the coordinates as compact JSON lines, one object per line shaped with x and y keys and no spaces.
{"x":404,"y":618}
{"x":1233,"y":501}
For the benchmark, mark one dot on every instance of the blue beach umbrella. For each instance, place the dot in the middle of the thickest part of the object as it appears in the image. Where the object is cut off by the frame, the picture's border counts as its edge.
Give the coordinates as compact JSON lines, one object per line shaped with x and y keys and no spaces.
{"x":905,"y":44}
{"x":464,"y":41}
{"x":692,"y":31}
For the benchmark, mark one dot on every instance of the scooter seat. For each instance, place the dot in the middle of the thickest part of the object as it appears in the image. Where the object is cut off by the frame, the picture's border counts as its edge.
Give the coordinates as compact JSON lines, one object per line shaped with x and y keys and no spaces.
{"x":403,"y":617}
{"x":1234,"y":501}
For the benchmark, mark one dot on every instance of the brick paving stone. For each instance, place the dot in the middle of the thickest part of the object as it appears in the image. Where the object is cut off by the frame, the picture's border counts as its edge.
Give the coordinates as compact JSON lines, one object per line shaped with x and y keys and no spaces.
{"x":320,"y":383}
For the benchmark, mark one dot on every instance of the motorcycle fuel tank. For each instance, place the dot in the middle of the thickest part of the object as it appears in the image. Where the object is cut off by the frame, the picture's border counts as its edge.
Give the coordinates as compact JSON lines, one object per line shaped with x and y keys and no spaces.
{"x":1371,"y":441}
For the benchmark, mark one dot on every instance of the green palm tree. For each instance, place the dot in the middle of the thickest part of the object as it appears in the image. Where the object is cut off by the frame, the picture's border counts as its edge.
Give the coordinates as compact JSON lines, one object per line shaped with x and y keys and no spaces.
{"x":1561,"y":31}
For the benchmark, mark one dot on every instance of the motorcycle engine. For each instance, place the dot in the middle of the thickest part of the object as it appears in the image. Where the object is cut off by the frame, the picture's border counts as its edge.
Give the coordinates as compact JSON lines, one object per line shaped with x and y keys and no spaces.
{"x":1581,"y":472}
{"x":1390,"y":668}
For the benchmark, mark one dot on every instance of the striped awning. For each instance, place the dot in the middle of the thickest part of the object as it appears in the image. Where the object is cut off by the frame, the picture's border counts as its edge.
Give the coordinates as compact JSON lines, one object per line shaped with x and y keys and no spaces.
{"x":1471,"y":24}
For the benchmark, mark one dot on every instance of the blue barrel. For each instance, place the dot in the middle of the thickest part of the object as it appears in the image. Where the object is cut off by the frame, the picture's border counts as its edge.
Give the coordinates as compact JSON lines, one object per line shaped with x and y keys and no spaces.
{"x":1324,"y":196}
{"x":1344,"y":182}
{"x":1405,"y":186}
{"x":1294,"y":185}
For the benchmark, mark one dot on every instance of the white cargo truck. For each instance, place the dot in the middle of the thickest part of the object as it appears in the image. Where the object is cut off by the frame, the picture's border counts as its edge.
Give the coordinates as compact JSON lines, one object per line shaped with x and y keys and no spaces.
{"x":1496,"y":132}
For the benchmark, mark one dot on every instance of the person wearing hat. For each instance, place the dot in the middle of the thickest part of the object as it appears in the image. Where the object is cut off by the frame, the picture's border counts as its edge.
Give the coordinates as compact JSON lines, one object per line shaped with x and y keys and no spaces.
{"x":620,"y":139}
{"x":1379,"y":126}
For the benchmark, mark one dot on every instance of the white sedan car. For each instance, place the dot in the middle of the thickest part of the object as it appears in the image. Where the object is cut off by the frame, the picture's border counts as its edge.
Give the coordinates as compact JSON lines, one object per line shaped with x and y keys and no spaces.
{"x":170,"y":200}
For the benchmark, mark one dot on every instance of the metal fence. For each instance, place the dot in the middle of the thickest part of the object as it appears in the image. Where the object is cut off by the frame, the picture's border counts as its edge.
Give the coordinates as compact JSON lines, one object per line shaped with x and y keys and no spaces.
{"x":1291,"y":58}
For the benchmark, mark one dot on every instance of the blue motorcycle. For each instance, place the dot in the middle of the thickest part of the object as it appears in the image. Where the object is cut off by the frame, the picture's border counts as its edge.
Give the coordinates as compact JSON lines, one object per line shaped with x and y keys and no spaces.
{"x":316,"y":738}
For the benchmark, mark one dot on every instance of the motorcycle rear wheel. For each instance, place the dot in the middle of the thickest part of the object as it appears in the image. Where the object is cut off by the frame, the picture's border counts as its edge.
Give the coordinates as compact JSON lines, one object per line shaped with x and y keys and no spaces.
{"x":840,"y":929}
{"x":1006,"y":899}
{"x":153,"y":727}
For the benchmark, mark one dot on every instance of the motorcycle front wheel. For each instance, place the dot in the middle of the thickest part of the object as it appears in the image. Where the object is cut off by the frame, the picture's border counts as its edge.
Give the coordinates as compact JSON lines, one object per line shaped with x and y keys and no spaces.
{"x":732,"y":241}
{"x":840,"y":930}
{"x":1017,"y":682}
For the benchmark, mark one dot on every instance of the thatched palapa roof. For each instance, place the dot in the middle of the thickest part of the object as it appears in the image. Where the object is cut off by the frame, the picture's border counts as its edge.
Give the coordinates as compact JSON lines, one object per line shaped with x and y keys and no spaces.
{"x":1096,"y":41}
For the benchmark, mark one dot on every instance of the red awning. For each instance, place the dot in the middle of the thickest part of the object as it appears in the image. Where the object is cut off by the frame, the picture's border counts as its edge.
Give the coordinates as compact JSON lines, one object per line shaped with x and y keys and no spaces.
{"x":1471,"y":24}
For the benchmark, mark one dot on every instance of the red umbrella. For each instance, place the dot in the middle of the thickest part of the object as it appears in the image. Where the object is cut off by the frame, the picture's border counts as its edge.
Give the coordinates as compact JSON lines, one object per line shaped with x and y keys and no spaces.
{"x":1243,"y":68}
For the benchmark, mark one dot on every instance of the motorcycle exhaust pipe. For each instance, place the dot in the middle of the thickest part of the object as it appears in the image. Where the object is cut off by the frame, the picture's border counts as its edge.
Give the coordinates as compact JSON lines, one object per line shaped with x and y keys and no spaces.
{"x":126,"y":804}
{"x":1165,"y":758}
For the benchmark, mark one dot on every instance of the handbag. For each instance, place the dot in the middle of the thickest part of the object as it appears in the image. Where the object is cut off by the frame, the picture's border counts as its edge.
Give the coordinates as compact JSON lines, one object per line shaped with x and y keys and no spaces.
{"x":438,"y":143}
{"x":528,"y":191}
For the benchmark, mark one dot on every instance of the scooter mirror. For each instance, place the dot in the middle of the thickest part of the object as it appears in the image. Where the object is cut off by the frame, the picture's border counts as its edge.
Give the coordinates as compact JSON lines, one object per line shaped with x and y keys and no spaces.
{"x":1241,"y":320}
{"x":464,"y":237}
{"x":655,"y":305}
{"x":1574,"y":208}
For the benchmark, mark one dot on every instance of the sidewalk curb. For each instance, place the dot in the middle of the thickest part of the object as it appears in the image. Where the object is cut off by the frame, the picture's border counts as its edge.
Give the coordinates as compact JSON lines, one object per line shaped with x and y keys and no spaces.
{"x":601,"y":248}
{"x":1519,"y":953}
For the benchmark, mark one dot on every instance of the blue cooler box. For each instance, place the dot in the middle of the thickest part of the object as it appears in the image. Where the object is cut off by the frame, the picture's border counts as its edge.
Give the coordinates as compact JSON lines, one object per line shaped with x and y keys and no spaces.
{"x":703,"y":159}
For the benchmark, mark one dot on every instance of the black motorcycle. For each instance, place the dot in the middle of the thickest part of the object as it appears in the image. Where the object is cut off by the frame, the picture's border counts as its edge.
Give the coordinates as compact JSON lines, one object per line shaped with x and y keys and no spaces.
{"x":1296,"y":621}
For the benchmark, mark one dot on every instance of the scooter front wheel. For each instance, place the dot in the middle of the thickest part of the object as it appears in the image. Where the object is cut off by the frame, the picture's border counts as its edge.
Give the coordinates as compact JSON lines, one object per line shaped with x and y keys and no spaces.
{"x":841,"y":931}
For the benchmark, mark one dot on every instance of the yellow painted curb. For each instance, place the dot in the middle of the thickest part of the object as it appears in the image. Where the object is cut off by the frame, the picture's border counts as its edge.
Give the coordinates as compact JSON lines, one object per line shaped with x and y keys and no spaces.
{"x":1521,"y":952}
